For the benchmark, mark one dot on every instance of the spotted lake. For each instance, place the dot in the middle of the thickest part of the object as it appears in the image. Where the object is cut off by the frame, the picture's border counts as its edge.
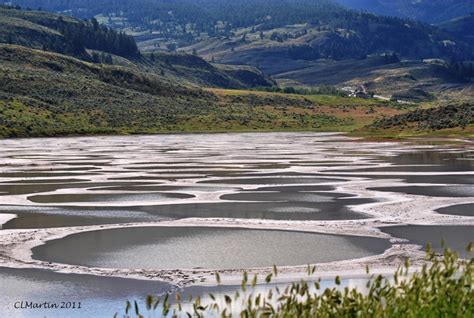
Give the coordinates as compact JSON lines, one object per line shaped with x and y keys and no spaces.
{"x":99,"y":220}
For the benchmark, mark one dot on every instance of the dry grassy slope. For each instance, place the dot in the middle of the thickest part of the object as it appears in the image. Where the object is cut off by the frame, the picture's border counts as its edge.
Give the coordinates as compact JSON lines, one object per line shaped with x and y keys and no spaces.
{"x":448,"y":120}
{"x":408,"y":80}
{"x":431,"y":11}
{"x":45,"y":94}
{"x":412,"y":80}
{"x":461,"y":27}
{"x":18,"y":60}
{"x":48,"y":94}
{"x":28,"y":29}
{"x":24,"y":32}
{"x":39,"y":30}
{"x":193,"y":69}
{"x":347,"y":113}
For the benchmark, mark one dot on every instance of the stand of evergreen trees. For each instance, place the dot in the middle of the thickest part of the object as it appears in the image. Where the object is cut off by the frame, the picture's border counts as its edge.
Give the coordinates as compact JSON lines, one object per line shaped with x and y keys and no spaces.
{"x":92,"y":35}
{"x":184,"y":21}
{"x":462,"y":69}
{"x":78,"y":35}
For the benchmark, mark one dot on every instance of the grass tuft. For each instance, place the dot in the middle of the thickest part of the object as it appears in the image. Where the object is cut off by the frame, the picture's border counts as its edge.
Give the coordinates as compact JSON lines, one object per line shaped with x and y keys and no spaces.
{"x":443,"y":287}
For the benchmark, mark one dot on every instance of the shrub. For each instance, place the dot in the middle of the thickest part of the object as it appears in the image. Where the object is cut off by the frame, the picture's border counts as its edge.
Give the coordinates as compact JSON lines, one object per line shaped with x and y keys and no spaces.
{"x":443,"y":287}
{"x":444,"y":117}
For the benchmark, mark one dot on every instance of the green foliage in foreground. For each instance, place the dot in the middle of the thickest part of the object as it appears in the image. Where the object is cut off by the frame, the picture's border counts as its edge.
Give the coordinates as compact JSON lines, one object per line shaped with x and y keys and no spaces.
{"x":443,"y":287}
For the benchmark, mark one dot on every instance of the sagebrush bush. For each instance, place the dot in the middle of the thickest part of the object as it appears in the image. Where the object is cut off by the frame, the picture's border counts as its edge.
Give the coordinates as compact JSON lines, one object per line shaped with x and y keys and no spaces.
{"x":443,"y":287}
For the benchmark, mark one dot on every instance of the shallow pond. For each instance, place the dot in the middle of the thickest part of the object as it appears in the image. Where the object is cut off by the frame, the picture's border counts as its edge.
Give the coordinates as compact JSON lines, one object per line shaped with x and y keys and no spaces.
{"x":102,"y":297}
{"x":82,"y":181}
{"x":433,"y":191}
{"x":210,"y":248}
{"x":109,"y":197}
{"x":221,"y":175}
{"x":455,"y":237}
{"x":99,"y":296}
{"x":460,"y":209}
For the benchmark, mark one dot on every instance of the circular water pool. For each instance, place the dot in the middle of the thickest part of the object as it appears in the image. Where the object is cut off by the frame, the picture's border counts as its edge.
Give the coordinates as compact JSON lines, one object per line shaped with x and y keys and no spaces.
{"x":204,"y":247}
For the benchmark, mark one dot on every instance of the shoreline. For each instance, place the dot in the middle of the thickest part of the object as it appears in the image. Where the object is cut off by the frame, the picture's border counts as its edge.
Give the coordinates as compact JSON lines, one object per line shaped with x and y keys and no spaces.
{"x":16,"y":247}
{"x":5,"y":217}
{"x":201,"y":277}
{"x":448,"y":136}
{"x":386,"y":209}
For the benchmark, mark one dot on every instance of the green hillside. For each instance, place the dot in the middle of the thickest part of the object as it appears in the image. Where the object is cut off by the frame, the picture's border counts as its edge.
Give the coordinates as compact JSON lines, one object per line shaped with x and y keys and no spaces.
{"x":49,"y":94}
{"x":91,"y":42}
{"x":450,"y":120}
{"x":408,"y":80}
{"x":46,"y":93}
{"x":49,"y":91}
{"x":296,"y":42}
{"x":301,"y":29}
{"x":62,"y":34}
{"x":193,"y":69}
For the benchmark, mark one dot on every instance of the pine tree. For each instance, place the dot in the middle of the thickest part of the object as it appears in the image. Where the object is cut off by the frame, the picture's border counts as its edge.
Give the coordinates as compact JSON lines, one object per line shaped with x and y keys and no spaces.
{"x":108,"y":59}
{"x":95,"y":57}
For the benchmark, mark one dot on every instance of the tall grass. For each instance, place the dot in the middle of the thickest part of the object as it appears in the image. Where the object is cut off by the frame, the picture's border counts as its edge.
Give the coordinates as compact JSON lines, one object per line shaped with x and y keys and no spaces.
{"x":443,"y":287}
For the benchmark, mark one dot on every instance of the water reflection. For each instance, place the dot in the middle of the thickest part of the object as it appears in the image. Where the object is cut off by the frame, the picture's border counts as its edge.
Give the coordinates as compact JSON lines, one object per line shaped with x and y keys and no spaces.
{"x":105,"y":296}
{"x":99,"y":296}
{"x":214,"y":248}
{"x":433,"y":191}
{"x":456,"y":238}
{"x":280,"y":176}
{"x":460,"y":209}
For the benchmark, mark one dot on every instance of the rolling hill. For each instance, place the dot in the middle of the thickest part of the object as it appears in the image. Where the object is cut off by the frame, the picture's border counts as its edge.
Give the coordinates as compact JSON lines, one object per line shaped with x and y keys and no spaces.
{"x":60,"y":76}
{"x":44,"y":92}
{"x":462,"y":27}
{"x":304,"y":29}
{"x":296,"y":42}
{"x":50,"y":94}
{"x":431,"y":11}
{"x":91,"y":42}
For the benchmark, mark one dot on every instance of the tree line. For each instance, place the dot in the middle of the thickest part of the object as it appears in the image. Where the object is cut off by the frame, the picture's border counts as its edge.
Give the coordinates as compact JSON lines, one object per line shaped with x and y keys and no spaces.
{"x":352,"y":34}
{"x":77,"y":35}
